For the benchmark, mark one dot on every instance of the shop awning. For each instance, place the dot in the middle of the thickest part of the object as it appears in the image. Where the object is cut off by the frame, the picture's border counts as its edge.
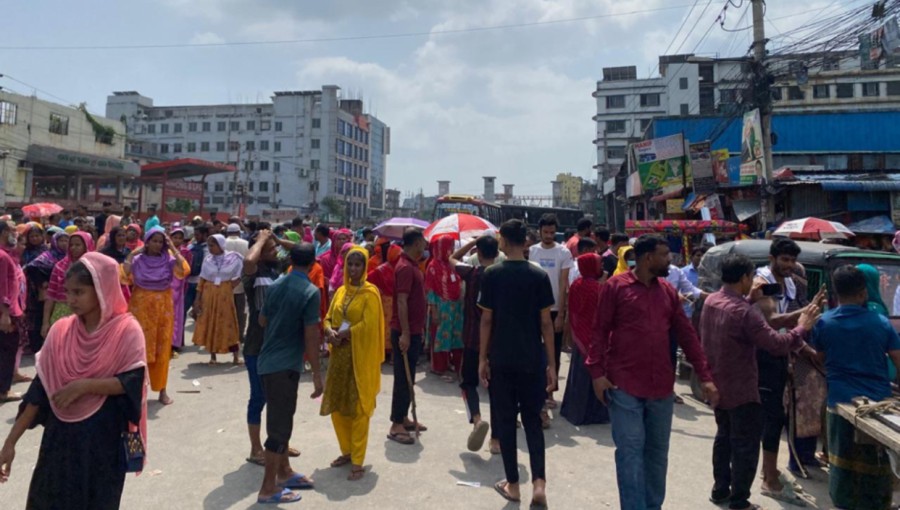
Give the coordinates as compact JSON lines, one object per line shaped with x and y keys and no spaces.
{"x":888,"y":185}
{"x":744,"y":209}
{"x":183,"y":168}
{"x":50,"y":161}
{"x":876,"y":225}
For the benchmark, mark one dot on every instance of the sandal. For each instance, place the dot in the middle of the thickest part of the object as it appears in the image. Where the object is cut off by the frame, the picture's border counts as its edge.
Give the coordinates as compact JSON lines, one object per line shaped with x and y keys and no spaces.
{"x":411,"y":427}
{"x":501,"y":487}
{"x":343,"y":460}
{"x":11,"y":397}
{"x":285,"y":496}
{"x":356,"y":473}
{"x":786,"y":495}
{"x":293,"y":452}
{"x":20,"y":378}
{"x":259,"y":461}
{"x":297,"y":481}
{"x":401,"y":437}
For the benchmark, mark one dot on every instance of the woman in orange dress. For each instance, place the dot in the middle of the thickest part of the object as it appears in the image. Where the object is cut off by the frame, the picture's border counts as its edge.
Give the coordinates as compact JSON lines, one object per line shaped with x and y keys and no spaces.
{"x":216,"y":326}
{"x":383,"y":278}
{"x":153,"y":266}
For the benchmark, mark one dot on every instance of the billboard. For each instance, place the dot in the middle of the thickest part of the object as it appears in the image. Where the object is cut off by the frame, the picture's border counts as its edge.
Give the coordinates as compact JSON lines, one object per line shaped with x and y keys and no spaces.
{"x":183,"y":196}
{"x":753,"y":159}
{"x":702,"y":168}
{"x":661,"y":162}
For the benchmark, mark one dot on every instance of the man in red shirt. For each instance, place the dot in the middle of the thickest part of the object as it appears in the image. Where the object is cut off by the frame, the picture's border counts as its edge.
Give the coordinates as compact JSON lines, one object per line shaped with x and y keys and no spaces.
{"x":407,"y":328}
{"x":584,"y":232}
{"x":630,"y":364}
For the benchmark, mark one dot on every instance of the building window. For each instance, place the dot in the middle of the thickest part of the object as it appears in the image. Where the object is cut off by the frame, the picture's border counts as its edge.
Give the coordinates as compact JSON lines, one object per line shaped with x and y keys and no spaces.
{"x":192,"y":127}
{"x":277,"y":187}
{"x":615,"y":101}
{"x":821,"y":92}
{"x":314,"y":164}
{"x":314,"y":143}
{"x":234,"y":146}
{"x":250,"y":145}
{"x":845,"y":91}
{"x":685,"y":109}
{"x":8,"y":112}
{"x":316,"y":123}
{"x":871,"y":89}
{"x":59,"y":124}
{"x":265,"y":125}
{"x":831,"y":63}
{"x":220,"y":186}
{"x":204,"y":146}
{"x":263,"y":145}
{"x":796,"y":94}
{"x":176,"y":148}
{"x":264,"y":166}
{"x":278,"y":126}
{"x":263,"y":199}
{"x":248,"y":165}
{"x":177,"y":127}
{"x":615,"y":153}
{"x":893,"y":89}
{"x":250,"y":187}
{"x":277,"y":146}
{"x":192,"y":147}
{"x":207,"y":127}
{"x":221,"y":126}
{"x":264,"y":187}
{"x":649,"y":99}
{"x":163,"y":128}
{"x":276,"y":167}
{"x":645,"y":123}
{"x":163,"y":148}
{"x":151,"y":128}
{"x":776,"y":93}
{"x":220,"y":146}
{"x":234,"y":125}
{"x":683,"y":83}
{"x":218,"y":200}
{"x":251,"y":125}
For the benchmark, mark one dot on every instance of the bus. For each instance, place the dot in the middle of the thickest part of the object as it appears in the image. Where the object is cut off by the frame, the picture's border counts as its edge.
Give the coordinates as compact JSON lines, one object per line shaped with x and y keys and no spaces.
{"x":498,"y":213}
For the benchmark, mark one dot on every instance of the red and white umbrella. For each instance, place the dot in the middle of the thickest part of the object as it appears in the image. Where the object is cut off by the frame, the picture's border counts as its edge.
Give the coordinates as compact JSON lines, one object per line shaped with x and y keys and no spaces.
{"x":461,"y":226}
{"x":813,"y":228}
{"x":41,"y":209}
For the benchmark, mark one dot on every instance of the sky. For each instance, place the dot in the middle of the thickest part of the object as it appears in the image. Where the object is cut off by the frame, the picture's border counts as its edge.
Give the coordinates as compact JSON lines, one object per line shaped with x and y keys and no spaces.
{"x":464,"y":99}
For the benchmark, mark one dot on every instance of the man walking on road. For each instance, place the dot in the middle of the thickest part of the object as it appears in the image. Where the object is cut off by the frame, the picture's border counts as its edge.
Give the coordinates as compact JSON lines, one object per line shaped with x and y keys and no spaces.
{"x":633,"y":374}
{"x":290,"y":316}
{"x":407,"y":328}
{"x":516,"y":298}
{"x":732,"y":330}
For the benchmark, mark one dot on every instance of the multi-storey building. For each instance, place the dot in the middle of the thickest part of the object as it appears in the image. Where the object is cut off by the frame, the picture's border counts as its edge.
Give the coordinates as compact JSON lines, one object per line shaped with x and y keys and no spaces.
{"x":290,"y":153}
{"x":567,"y":190}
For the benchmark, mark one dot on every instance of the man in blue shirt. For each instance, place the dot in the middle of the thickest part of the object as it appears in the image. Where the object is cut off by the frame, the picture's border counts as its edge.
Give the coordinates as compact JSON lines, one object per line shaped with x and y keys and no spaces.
{"x":852,"y":341}
{"x":290,"y":317}
{"x":153,"y":220}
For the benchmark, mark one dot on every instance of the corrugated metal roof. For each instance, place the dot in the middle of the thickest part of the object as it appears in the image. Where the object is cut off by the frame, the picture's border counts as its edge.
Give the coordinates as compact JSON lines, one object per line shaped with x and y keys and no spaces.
{"x":889,"y":185}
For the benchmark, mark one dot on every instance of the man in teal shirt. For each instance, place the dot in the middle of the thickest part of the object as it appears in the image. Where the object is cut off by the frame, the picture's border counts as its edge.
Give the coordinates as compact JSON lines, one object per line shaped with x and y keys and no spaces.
{"x":153,"y":220}
{"x":290,"y":317}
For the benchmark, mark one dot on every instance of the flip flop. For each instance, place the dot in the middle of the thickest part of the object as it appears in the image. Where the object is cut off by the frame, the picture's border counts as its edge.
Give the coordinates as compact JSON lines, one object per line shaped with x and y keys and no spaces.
{"x":11,"y":397}
{"x":293,"y":452}
{"x":477,"y":436}
{"x":401,"y":437}
{"x":500,"y":487}
{"x":297,"y":481}
{"x":412,"y":427}
{"x":786,"y":495}
{"x":259,"y":461}
{"x":286,"y":496}
{"x":343,"y":460}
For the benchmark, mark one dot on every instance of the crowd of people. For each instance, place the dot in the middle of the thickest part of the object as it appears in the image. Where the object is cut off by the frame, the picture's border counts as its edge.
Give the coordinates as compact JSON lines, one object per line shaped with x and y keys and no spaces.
{"x":102,"y":304}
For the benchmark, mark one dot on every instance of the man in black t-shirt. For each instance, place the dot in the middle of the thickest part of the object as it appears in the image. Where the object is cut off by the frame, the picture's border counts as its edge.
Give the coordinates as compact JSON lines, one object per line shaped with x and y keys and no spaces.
{"x":516,"y":297}
{"x":611,"y":256}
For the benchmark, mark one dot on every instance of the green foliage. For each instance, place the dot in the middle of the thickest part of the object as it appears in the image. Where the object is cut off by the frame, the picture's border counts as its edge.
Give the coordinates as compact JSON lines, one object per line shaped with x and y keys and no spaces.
{"x":102,"y":134}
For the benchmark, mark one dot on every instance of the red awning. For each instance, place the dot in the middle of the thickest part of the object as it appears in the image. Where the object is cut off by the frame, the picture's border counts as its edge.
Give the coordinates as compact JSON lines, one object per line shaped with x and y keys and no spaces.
{"x":680,"y":227}
{"x":182,"y":168}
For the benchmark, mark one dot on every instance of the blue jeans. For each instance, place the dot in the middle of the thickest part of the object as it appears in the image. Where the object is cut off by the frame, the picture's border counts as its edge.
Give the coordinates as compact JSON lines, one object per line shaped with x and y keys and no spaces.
{"x":257,"y":397}
{"x":641,"y":429}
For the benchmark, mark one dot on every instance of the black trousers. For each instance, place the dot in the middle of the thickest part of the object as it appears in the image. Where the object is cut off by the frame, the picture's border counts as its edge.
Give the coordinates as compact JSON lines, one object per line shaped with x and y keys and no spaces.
{"x":516,"y":392}
{"x":557,"y":345}
{"x":401,"y":396}
{"x":281,"y":404}
{"x":772,"y":380}
{"x":469,"y":387}
{"x":736,"y":452}
{"x":9,"y":345}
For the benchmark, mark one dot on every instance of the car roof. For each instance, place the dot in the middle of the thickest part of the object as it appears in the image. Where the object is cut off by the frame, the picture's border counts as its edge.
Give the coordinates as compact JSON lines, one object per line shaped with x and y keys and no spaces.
{"x":810,"y":253}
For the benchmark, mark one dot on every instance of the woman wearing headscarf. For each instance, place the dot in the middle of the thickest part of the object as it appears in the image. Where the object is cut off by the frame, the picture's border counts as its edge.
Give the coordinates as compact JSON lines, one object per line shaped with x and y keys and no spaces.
{"x":112,"y":223}
{"x":328,"y":261}
{"x":876,"y":303}
{"x":580,"y":405}
{"x":90,"y":396}
{"x":382,"y":277}
{"x":382,"y":244}
{"x":337,"y":274}
{"x":216,"y":326}
{"x":37,"y":277}
{"x":179,"y":287}
{"x":152,"y":267}
{"x":354,"y":328}
{"x":626,"y":260}
{"x":115,"y":246}
{"x":34,"y":243}
{"x":55,"y":306}
{"x":133,"y":237}
{"x":445,"y":300}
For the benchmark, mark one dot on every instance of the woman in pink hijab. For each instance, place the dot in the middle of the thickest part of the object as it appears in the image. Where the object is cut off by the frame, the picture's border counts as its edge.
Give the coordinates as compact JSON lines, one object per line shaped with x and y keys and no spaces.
{"x":90,"y":395}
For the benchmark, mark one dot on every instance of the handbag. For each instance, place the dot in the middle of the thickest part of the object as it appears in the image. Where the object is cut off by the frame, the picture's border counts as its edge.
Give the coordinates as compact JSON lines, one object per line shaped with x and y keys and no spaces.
{"x":133,"y":450}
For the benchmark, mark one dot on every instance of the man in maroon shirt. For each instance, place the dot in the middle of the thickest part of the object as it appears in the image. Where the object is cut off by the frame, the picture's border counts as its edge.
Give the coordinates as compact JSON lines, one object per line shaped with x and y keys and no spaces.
{"x":732,"y":330}
{"x":630,"y":363}
{"x":407,"y":327}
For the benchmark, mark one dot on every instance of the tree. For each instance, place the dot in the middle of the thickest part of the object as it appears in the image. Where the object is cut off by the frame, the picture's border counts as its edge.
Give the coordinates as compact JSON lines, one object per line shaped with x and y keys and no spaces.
{"x":334,"y":208}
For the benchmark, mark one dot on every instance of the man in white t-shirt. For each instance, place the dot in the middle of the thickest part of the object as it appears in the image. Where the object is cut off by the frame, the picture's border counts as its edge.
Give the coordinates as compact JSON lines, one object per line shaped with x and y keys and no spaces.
{"x":556,"y":260}
{"x":233,"y":242}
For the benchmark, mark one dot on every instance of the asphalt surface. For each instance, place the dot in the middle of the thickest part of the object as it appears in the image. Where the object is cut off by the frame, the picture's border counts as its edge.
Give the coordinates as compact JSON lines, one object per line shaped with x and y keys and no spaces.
{"x":197,"y":448}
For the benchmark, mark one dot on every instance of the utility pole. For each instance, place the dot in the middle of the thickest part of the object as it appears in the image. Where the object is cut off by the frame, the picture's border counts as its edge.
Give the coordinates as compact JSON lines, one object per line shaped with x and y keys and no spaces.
{"x":764,"y":100}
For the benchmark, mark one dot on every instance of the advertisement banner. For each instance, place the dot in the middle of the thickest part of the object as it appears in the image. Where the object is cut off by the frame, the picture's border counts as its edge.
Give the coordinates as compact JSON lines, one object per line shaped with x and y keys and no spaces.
{"x":753,"y":161}
{"x":675,"y":206}
{"x":183,"y":196}
{"x":661,"y":162}
{"x":702,"y":168}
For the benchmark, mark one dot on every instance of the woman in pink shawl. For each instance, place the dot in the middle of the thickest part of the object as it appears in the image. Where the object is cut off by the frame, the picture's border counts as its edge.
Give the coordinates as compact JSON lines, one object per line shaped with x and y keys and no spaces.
{"x":55,"y":306}
{"x":112,"y":222}
{"x":330,"y":260}
{"x":90,"y":389}
{"x":337,"y":274}
{"x":178,"y":289}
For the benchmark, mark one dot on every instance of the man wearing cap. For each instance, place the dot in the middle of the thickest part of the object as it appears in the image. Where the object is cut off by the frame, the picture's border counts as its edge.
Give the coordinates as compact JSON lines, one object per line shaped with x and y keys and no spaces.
{"x":233,"y":242}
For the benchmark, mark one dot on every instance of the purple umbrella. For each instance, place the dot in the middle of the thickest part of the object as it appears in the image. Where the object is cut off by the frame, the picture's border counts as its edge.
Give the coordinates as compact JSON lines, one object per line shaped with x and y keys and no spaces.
{"x":394,"y":227}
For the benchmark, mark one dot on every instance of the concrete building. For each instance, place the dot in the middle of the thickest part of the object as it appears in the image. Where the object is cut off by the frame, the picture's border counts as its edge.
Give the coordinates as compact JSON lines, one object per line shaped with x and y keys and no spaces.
{"x":59,"y":153}
{"x":569,"y":192}
{"x":291,"y":152}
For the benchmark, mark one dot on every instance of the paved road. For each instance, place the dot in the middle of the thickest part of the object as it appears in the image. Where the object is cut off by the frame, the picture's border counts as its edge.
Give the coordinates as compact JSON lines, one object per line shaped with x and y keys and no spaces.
{"x":198,"y":445}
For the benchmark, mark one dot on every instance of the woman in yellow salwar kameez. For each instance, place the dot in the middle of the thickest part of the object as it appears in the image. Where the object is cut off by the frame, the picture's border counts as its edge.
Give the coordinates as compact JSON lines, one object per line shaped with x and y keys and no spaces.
{"x":354,"y":327}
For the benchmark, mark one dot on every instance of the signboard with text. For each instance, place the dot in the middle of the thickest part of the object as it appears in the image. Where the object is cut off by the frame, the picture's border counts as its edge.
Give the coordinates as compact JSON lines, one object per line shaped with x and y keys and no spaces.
{"x":183,"y":196}
{"x":702,"y":168}
{"x":753,"y":160}
{"x":661,"y":162}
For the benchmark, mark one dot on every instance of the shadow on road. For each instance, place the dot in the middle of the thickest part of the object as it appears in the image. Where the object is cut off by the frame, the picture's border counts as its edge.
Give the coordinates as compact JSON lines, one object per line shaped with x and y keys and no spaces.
{"x":333,"y":484}
{"x":236,"y":486}
{"x":402,"y":453}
